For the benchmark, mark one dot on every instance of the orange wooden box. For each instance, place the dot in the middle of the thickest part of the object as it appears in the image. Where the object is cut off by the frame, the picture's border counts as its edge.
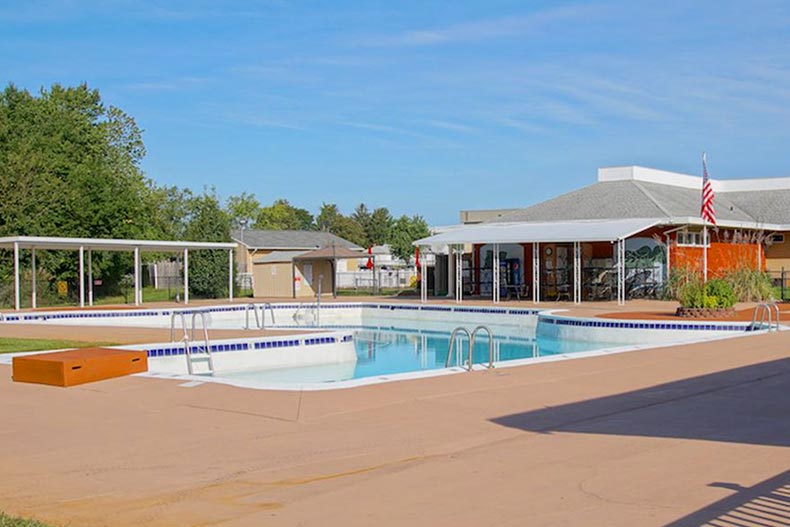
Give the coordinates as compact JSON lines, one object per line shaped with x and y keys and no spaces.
{"x":67,"y":368}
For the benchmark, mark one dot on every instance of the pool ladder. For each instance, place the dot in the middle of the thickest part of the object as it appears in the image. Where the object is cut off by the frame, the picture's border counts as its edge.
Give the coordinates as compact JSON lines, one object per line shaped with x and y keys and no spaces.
{"x":471,"y":337}
{"x":765,"y":310}
{"x":260,"y":321}
{"x":197,"y":351}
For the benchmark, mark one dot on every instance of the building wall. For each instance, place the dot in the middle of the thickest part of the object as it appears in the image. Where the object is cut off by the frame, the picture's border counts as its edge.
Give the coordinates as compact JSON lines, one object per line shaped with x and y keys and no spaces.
{"x":723,"y":255}
{"x":308,"y":275}
{"x":272,"y":280}
{"x":778,"y":254}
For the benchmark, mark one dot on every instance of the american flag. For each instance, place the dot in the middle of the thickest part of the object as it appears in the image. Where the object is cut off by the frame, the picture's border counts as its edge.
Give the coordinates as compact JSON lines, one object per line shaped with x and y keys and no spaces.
{"x":707,"y":211}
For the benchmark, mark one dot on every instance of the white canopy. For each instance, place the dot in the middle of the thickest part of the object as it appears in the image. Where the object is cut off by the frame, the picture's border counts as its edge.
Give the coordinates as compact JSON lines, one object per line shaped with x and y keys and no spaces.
{"x":544,"y":232}
{"x":107,"y":244}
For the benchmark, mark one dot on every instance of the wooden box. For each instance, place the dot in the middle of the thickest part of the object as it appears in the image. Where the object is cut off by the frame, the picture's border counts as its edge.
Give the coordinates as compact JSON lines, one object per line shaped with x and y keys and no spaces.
{"x":79,"y":366}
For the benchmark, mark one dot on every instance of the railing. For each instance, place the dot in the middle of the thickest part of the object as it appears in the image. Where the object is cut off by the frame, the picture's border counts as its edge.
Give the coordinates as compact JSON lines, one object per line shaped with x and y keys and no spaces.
{"x":453,"y":335}
{"x":491,"y":346}
{"x":189,"y":336}
{"x":471,"y":338}
{"x":260,"y":321}
{"x":765,"y":310}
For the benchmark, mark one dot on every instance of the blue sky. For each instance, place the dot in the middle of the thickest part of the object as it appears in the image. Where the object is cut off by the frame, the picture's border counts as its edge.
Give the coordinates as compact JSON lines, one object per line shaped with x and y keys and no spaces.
{"x":424,"y":107}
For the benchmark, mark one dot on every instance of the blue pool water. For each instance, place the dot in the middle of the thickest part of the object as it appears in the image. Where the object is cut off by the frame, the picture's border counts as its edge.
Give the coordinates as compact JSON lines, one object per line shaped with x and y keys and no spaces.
{"x":382,"y":352}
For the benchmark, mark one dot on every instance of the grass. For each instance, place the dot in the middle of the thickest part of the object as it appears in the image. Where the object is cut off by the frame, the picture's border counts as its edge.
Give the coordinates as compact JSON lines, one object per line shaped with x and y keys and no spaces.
{"x":14,"y":345}
{"x":12,"y":521}
{"x":367,"y":292}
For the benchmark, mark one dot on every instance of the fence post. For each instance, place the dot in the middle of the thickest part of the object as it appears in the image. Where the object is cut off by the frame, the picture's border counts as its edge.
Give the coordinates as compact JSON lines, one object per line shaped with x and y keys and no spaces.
{"x":783,"y":284}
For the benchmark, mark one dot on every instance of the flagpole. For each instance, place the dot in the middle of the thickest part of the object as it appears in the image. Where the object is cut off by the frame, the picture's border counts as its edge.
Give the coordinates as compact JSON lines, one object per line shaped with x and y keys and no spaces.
{"x":704,"y":251}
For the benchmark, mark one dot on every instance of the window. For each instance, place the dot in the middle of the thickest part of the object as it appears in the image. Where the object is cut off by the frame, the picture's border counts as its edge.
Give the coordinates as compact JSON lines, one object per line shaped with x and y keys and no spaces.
{"x":777,"y":238}
{"x":691,"y":238}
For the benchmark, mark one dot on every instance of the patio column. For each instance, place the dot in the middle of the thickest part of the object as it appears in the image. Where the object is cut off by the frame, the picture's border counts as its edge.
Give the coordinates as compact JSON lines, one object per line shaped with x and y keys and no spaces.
{"x":186,"y":276}
{"x":82,"y":276}
{"x":459,"y":274}
{"x":451,"y":272}
{"x":137,"y":276}
{"x":16,"y":277}
{"x":536,"y":272}
{"x":666,"y":236}
{"x":620,"y":250}
{"x":495,"y":276}
{"x":230,"y":275}
{"x":90,"y":277}
{"x":577,"y":281}
{"x":423,"y":277}
{"x":33,"y":296}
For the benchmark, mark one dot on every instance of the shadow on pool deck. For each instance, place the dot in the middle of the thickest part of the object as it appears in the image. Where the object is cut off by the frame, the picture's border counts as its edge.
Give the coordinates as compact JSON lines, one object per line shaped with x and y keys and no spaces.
{"x":742,"y":405}
{"x":765,"y":504}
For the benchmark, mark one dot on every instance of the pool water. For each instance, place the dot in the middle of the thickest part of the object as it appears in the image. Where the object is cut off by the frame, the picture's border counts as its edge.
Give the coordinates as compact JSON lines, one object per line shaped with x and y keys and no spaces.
{"x":382,"y":352}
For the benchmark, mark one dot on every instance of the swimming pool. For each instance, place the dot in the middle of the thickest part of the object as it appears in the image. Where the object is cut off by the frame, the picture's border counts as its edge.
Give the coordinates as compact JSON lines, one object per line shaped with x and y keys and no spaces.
{"x":382,"y":352}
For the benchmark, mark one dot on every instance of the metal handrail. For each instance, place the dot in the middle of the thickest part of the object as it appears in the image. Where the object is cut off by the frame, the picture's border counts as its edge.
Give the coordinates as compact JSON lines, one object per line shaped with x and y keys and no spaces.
{"x":264,"y":307}
{"x":173,"y":316}
{"x":247,"y":316}
{"x":765,"y":309}
{"x":490,"y":344}
{"x":207,"y":342}
{"x":453,"y":336}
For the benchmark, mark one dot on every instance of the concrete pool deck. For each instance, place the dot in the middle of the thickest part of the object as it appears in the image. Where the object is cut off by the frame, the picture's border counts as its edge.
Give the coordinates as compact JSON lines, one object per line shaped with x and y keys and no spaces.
{"x":674,"y":436}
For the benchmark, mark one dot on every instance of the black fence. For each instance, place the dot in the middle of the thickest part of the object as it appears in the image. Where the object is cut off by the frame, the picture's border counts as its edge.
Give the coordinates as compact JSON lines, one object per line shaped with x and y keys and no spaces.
{"x":781,"y":282}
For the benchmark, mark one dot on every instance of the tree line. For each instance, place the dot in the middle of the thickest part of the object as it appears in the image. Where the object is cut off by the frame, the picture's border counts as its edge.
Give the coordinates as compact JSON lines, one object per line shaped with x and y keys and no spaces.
{"x":70,"y":165}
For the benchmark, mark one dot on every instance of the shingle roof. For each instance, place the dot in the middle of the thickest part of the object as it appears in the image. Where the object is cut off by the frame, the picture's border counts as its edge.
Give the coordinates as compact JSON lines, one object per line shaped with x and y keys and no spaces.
{"x":764,"y":206}
{"x":641,"y":199}
{"x":262,"y":239}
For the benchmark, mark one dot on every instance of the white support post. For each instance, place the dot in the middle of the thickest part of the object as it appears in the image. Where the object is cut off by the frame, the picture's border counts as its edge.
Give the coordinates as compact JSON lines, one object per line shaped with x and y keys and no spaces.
{"x":451,"y":272}
{"x":137,"y":294}
{"x":536,"y":272}
{"x":33,"y":295}
{"x":186,"y":276}
{"x":90,"y":277}
{"x":495,"y":276}
{"x":423,"y":278}
{"x":668,"y":254}
{"x":82,"y":276}
{"x":704,"y":251}
{"x":230,"y":275}
{"x":17,"y":301}
{"x":577,"y":293}
{"x":459,"y":275}
{"x":620,"y":272}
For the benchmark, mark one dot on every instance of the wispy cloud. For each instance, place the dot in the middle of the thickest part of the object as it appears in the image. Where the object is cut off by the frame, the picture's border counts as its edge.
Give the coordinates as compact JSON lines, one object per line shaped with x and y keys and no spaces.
{"x":169,"y":84}
{"x":446,"y":125}
{"x":493,"y":28}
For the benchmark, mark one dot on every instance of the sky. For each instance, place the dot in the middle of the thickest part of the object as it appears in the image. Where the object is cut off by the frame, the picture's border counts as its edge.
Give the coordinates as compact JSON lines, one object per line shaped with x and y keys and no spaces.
{"x":423,"y":107}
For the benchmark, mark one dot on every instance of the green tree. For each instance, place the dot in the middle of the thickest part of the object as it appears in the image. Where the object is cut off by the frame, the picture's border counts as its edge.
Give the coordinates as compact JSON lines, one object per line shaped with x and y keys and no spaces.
{"x":281,"y":215}
{"x":330,"y":219}
{"x":69,"y":166}
{"x":379,"y":228}
{"x":243,"y":210}
{"x":405,"y":232}
{"x":208,"y":270}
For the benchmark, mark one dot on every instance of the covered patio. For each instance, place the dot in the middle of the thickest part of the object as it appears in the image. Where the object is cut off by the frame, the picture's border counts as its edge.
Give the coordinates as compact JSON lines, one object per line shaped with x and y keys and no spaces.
{"x":86,"y":246}
{"x":531,"y":267}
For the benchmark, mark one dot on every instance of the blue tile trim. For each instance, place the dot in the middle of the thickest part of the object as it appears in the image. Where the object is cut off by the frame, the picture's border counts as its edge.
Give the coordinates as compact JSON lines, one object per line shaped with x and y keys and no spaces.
{"x":674,"y":326}
{"x":174,"y":348}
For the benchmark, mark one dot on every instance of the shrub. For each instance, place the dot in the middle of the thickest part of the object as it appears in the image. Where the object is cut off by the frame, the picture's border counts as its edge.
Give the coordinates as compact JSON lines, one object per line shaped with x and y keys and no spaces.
{"x":691,"y":294}
{"x":750,"y":285}
{"x":722,"y":292}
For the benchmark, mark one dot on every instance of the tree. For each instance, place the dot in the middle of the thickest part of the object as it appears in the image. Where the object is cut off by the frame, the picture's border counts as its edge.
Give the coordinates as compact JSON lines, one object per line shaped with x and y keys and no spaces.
{"x":208,"y":270}
{"x":404,"y":233}
{"x":330,"y":219}
{"x":243,"y":210}
{"x":281,"y":215}
{"x":379,"y":228}
{"x":69,"y":166}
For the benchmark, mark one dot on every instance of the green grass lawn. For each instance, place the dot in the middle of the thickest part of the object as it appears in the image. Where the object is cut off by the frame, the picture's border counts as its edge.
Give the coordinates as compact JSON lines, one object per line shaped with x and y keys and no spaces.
{"x":13,"y":345}
{"x":11,"y":521}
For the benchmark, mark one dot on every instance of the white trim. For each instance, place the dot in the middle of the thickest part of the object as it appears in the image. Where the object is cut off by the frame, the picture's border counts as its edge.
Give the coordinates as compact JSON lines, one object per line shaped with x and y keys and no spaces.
{"x":677,"y":179}
{"x":107,"y":244}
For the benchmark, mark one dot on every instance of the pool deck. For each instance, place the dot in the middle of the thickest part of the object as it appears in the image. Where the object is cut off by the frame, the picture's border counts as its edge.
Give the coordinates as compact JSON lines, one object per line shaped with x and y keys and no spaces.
{"x":675,"y":437}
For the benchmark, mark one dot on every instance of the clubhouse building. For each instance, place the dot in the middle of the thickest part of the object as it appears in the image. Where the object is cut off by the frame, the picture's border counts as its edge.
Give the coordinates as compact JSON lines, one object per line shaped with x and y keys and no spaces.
{"x":616,"y":239}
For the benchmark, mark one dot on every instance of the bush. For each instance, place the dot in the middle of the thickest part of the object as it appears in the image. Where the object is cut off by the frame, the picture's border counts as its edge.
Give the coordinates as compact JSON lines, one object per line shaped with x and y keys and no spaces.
{"x":722,"y":292}
{"x":750,"y":285}
{"x":715,"y":294}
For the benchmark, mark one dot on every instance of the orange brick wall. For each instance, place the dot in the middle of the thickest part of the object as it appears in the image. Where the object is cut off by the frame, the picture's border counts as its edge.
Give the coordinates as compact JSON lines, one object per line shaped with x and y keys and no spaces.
{"x":722,"y":256}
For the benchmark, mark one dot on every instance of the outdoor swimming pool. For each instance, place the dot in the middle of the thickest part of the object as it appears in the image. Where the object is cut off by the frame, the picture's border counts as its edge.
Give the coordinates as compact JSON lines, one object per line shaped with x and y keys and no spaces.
{"x":390,"y":351}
